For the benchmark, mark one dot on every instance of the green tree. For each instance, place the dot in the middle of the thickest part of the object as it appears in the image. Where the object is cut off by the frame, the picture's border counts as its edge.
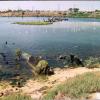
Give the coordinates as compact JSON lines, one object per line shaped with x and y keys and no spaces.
{"x":73,"y":9}
{"x":70,"y":9}
{"x":76,"y":9}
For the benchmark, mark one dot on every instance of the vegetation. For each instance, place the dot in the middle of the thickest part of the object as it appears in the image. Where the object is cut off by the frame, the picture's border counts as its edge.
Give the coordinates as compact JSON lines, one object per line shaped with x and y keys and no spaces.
{"x":33,"y":23}
{"x":41,"y":66}
{"x":79,"y":15}
{"x":16,"y":97}
{"x":4,"y":85}
{"x":77,"y":87}
{"x":72,"y":12}
{"x":92,"y":62}
{"x":73,"y":9}
{"x":18,"y":54}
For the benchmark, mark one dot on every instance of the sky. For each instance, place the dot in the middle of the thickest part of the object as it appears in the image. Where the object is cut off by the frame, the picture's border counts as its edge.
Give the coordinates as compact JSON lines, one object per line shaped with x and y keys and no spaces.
{"x":49,"y":5}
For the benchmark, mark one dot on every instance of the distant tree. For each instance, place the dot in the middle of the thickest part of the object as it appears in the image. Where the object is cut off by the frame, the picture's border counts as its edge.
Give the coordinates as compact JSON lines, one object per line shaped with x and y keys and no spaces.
{"x":73,"y":9}
{"x":23,"y":12}
{"x":9,"y":10}
{"x":76,"y":9}
{"x":19,"y":10}
{"x":97,"y":10}
{"x":70,"y":9}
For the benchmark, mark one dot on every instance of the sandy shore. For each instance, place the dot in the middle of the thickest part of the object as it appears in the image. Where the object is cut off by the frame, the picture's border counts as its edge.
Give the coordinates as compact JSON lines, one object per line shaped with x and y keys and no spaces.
{"x":36,"y":89}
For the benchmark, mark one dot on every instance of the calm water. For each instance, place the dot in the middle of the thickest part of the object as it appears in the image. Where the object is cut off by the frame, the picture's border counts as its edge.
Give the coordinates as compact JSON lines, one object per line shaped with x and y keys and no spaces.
{"x":80,"y":36}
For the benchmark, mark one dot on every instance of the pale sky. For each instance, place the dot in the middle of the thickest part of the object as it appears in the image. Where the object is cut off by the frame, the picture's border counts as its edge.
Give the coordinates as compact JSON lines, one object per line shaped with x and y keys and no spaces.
{"x":49,"y":5}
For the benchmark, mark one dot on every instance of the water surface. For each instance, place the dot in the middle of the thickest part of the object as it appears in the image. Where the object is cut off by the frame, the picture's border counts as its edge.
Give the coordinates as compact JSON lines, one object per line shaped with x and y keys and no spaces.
{"x":80,"y":36}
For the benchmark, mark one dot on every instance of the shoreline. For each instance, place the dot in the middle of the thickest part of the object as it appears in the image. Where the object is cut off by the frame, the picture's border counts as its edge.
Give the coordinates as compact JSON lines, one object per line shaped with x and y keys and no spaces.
{"x":39,"y":87}
{"x":49,"y":16}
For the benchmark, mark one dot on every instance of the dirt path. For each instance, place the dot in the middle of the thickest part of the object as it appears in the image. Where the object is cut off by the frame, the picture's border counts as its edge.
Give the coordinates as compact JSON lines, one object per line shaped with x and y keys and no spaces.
{"x":37,"y":89}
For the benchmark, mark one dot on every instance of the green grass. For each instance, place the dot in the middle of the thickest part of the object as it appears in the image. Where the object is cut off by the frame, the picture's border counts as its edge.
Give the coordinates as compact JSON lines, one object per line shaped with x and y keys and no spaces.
{"x":33,"y":23}
{"x":77,"y":87}
{"x":16,"y":97}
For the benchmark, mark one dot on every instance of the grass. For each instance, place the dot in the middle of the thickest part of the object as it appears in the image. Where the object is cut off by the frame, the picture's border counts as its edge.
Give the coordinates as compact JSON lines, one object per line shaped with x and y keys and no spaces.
{"x":33,"y":23}
{"x":4,"y":85}
{"x":16,"y":97}
{"x":92,"y":62}
{"x":77,"y":87}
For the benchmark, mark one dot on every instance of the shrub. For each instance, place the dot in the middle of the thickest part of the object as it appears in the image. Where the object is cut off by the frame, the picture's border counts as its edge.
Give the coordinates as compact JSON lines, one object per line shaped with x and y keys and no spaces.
{"x":42,"y":64}
{"x":92,"y":62}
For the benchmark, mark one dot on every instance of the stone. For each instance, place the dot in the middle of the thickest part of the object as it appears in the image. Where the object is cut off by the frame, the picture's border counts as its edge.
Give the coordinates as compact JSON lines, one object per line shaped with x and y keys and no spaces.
{"x":97,"y":96}
{"x":1,"y":94}
{"x":43,"y":88}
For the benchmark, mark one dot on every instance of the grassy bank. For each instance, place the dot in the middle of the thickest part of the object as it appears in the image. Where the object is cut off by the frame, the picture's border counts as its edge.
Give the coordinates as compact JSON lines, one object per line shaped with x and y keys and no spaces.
{"x":33,"y":23}
{"x":77,"y":87}
{"x":16,"y":97}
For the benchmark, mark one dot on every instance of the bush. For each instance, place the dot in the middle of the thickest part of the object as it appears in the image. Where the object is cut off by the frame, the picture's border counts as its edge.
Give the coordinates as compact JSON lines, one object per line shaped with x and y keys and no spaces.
{"x":92,"y":62}
{"x":41,"y":66}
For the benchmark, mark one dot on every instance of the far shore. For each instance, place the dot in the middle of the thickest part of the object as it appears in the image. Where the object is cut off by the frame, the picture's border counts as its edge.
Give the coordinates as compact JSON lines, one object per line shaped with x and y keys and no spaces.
{"x":71,"y":13}
{"x":53,"y":16}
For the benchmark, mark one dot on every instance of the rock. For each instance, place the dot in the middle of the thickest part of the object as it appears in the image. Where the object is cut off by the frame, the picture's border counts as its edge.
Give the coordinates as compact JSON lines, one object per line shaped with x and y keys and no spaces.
{"x":36,"y":95}
{"x":62,"y":57}
{"x":6,"y":93}
{"x":61,"y":96}
{"x":43,"y":88}
{"x":93,"y":96}
{"x":66,"y":66}
{"x":11,"y":90}
{"x":45,"y":91}
{"x":51,"y":71}
{"x":97,"y":97}
{"x":1,"y":94}
{"x":53,"y":82}
{"x":16,"y":89}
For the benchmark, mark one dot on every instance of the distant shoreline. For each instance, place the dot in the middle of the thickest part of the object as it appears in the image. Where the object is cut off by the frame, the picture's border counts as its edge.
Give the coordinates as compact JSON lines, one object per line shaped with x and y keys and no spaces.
{"x":71,"y":13}
{"x":47,"y":16}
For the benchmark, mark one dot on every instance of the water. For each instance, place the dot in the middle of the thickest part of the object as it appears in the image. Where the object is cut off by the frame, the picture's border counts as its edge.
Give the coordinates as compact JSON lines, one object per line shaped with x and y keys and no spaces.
{"x":80,"y":36}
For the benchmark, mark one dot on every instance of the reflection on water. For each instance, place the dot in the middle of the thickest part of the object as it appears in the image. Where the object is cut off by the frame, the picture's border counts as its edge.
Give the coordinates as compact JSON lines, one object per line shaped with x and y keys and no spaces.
{"x":80,"y":36}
